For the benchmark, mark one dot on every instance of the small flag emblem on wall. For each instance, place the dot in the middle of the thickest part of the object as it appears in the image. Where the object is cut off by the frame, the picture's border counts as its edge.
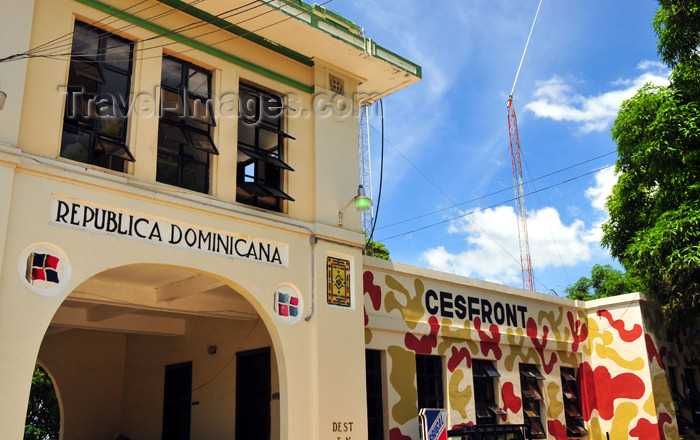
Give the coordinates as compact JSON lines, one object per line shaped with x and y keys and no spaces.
{"x":42,"y":267}
{"x":288,"y":304}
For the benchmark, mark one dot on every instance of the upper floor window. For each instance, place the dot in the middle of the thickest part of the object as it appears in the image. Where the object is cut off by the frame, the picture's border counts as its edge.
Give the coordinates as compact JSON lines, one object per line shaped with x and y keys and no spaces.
{"x":530,"y":378}
{"x":185,"y":143}
{"x":261,"y":140}
{"x":97,"y":101}
{"x":429,"y":381}
{"x":487,"y":412}
{"x":572,"y":404}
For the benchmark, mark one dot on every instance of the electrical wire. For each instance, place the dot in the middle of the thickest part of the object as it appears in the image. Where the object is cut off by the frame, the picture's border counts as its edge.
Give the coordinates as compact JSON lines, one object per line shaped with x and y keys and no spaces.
{"x":61,"y":55}
{"x":381,"y":176}
{"x":495,"y":192}
{"x":188,"y":27}
{"x":68,"y":45}
{"x":554,"y":241}
{"x":69,"y":36}
{"x":493,"y":205}
{"x":246,"y":33}
{"x":473,"y":222}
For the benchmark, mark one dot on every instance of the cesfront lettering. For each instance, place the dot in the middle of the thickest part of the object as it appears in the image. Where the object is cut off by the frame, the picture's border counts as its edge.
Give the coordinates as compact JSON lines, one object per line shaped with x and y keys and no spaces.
{"x":450,"y":305}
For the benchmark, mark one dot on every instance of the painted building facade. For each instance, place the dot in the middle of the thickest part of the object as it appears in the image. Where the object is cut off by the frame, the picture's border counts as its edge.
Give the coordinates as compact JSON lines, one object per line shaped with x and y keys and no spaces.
{"x":492,"y":354}
{"x":171,"y":180}
{"x":171,"y":176}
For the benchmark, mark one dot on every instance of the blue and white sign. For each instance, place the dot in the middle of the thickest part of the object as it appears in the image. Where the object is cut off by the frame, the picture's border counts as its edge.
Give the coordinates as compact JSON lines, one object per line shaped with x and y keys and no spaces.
{"x":433,"y":424}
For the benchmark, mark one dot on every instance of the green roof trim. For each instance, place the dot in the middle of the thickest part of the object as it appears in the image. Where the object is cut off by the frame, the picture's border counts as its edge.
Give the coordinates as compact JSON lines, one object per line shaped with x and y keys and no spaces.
{"x":145,"y":24}
{"x":237,"y":30}
{"x":396,"y":60}
{"x":342,"y":29}
{"x":338,"y":17}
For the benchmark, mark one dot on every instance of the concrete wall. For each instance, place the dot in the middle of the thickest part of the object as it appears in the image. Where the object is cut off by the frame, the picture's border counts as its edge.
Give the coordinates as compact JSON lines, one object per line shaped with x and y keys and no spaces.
{"x":619,"y":348}
{"x":319,"y":359}
{"x":88,"y":369}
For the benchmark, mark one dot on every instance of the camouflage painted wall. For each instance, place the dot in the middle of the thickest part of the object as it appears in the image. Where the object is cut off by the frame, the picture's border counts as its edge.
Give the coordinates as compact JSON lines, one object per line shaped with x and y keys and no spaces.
{"x":617,"y":346}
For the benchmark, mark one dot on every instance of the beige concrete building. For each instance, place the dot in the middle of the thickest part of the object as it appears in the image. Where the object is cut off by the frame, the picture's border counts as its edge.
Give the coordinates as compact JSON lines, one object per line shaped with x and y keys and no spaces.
{"x":163,"y":259}
{"x":173,"y":292}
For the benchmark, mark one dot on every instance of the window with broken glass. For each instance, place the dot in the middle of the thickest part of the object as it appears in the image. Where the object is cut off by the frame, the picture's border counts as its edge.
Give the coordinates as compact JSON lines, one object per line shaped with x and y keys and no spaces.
{"x":261,"y":141}
{"x":97,"y":99}
{"x":185,"y":142}
{"x":487,"y":411}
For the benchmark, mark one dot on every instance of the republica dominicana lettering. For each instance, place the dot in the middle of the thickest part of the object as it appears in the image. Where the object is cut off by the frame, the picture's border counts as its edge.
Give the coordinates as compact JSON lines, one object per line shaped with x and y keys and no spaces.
{"x":141,"y":227}
{"x":450,"y":305}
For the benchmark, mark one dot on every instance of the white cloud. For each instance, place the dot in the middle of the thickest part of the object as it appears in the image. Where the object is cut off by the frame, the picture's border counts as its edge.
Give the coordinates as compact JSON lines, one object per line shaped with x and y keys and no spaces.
{"x":491,"y":245}
{"x":652,"y":65}
{"x":558,"y":101}
{"x":604,"y":181}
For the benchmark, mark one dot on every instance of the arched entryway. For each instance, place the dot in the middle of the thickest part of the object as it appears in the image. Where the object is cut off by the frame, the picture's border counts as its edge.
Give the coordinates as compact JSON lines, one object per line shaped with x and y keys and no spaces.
{"x":153,"y":351}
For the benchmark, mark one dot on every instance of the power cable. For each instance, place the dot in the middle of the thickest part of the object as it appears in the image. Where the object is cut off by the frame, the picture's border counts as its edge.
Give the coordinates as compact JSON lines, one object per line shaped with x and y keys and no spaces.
{"x":68,"y":37}
{"x":496,"y":192}
{"x":58,"y":56}
{"x":190,"y":26}
{"x":554,"y":241}
{"x":473,"y":221}
{"x":68,"y":45}
{"x":381,"y":176}
{"x":70,"y":34}
{"x":494,"y":205}
{"x":249,"y":32}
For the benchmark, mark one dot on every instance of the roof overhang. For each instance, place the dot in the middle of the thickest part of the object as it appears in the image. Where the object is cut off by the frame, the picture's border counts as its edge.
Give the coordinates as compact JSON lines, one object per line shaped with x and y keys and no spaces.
{"x":310,"y":33}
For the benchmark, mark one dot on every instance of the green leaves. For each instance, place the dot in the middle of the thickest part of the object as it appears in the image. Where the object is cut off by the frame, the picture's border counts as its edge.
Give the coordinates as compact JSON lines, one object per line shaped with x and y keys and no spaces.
{"x":654,"y":225}
{"x":605,"y":281}
{"x":43,"y":414}
{"x":677,"y":23}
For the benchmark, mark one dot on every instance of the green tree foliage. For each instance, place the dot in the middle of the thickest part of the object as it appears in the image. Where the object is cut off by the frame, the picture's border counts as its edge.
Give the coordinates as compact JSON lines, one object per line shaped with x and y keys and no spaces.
{"x":377,"y":250}
{"x":654,"y":225}
{"x":604,"y":281}
{"x":43,"y":414}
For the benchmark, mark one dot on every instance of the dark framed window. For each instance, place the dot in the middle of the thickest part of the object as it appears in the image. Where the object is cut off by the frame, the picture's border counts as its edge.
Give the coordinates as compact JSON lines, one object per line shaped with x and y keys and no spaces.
{"x":429,"y":380}
{"x":375,"y":398}
{"x":487,"y":411}
{"x":261,"y":140}
{"x":97,"y":100}
{"x":531,"y":391}
{"x":177,"y":401}
{"x":572,"y":404}
{"x":186,"y":122}
{"x":693,"y":397}
{"x":253,"y":394}
{"x":686,"y":401}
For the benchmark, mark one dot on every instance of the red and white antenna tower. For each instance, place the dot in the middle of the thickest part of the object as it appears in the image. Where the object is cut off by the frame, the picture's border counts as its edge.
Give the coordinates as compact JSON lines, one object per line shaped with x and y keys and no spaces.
{"x":525,"y":262}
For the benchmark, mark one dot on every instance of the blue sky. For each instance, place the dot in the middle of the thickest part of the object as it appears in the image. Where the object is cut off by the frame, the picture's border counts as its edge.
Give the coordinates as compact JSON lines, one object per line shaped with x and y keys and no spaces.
{"x":446,"y":138}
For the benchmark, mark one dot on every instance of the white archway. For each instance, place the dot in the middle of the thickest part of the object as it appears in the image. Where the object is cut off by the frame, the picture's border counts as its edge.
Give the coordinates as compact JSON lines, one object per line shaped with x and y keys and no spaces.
{"x":110,"y":341}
